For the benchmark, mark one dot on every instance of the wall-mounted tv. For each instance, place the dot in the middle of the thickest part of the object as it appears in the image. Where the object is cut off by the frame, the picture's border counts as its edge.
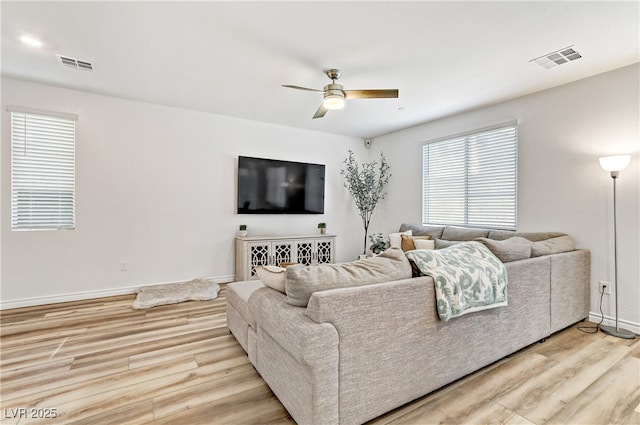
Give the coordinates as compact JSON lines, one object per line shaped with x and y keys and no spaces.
{"x":270,"y":186}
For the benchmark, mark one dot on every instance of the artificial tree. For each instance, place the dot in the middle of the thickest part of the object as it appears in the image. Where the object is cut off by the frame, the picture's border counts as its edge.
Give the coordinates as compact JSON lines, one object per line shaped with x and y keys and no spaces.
{"x":366,"y":183}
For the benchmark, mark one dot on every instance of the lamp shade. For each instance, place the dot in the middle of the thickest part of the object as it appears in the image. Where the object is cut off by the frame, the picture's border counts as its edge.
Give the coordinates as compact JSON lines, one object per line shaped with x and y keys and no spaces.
{"x":333,"y":101}
{"x":615,"y":163}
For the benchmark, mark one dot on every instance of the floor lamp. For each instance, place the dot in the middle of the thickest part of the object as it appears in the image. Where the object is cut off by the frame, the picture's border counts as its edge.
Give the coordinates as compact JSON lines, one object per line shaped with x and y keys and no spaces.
{"x":615,"y":164}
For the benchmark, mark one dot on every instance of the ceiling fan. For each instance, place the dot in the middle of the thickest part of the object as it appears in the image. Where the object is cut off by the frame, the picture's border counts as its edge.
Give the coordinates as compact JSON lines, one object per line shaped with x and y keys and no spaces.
{"x":335,"y":94}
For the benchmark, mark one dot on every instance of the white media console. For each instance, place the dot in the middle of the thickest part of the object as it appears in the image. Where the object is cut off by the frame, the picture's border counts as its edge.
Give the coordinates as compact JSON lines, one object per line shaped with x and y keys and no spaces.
{"x":252,"y":251}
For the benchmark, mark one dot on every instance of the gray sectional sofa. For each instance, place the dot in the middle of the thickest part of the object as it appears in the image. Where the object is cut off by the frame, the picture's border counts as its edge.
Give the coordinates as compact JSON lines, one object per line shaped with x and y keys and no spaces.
{"x":356,"y":352}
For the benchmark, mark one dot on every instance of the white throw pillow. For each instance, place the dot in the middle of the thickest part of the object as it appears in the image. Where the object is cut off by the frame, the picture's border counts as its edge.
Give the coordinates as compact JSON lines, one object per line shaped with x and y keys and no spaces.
{"x":395,"y":239}
{"x":272,"y":276}
{"x":425,"y":243}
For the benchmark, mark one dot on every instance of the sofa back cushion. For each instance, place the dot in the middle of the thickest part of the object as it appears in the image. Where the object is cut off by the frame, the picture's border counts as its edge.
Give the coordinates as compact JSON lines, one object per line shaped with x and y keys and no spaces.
{"x":501,"y":235}
{"x":552,"y":246}
{"x":444,"y":243}
{"x":512,"y":249}
{"x":416,"y":230}
{"x":453,"y":233}
{"x":302,"y":281}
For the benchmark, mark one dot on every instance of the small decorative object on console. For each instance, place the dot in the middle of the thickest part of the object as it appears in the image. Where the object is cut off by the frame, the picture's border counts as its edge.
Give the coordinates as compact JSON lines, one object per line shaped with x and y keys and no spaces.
{"x":242,"y":230}
{"x":323,"y":228}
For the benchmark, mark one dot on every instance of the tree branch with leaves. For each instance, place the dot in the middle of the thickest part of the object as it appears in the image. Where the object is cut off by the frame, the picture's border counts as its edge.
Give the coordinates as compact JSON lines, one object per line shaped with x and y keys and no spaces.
{"x":366,"y":183}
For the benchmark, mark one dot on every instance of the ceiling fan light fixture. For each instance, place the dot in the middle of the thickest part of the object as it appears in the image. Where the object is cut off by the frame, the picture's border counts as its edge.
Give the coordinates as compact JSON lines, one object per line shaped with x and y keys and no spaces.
{"x":333,"y":99}
{"x":335,"y":94}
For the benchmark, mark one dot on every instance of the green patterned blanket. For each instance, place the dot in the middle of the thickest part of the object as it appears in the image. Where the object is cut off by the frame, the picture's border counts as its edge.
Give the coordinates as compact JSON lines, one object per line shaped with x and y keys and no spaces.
{"x":468,"y":278}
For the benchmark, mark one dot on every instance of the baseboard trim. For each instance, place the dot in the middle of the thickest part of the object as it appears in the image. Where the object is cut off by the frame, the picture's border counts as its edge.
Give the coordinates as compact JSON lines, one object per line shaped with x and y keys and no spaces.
{"x":611,"y":321}
{"x":86,"y":295}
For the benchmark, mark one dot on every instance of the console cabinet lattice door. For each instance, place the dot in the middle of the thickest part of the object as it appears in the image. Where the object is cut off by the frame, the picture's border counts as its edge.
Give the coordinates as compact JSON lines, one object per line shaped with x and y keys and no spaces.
{"x":324,"y":251}
{"x":268,"y":253}
{"x":263,"y":250}
{"x":314,"y":251}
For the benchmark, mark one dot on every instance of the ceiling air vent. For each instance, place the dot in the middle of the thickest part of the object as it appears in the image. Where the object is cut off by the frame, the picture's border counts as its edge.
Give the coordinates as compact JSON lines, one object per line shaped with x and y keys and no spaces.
{"x":556,"y":58}
{"x":75,"y":63}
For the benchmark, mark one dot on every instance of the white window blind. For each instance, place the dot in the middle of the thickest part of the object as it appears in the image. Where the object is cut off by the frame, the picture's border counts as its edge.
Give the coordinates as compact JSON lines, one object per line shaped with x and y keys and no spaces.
{"x":472,"y":179}
{"x":42,"y":171}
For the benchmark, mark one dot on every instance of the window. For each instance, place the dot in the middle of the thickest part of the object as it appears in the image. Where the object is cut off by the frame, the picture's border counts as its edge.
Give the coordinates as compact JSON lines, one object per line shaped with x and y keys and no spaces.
{"x":42,"y":171}
{"x":471,"y":179}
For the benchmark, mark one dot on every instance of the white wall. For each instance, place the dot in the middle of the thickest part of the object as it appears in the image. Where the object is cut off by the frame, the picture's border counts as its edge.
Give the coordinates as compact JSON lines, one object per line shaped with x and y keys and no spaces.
{"x":561,"y":187}
{"x":156,"y":187}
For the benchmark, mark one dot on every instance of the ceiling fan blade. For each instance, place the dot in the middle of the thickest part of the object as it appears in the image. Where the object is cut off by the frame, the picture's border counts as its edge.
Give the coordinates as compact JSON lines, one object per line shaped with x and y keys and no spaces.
{"x":371,"y":94}
{"x":321,"y":112}
{"x":301,"y":88}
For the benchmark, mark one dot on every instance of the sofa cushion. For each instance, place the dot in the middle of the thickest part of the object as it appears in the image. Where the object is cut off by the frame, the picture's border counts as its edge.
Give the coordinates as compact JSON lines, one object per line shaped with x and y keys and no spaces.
{"x":512,"y":249}
{"x":302,"y":281}
{"x":453,"y":233}
{"x":408,"y":243}
{"x":501,"y":235}
{"x":552,"y":246}
{"x":441,"y":243}
{"x":238,"y":294}
{"x":434,"y":231}
{"x":272,"y":276}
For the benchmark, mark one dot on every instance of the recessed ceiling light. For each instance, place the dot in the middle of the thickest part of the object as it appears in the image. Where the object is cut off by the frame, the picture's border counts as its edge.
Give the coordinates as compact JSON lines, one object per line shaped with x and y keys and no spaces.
{"x":30,"y":41}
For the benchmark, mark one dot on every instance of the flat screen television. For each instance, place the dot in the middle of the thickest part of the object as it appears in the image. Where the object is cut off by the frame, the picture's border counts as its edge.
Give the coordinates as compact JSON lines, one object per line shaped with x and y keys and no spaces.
{"x":270,"y":186}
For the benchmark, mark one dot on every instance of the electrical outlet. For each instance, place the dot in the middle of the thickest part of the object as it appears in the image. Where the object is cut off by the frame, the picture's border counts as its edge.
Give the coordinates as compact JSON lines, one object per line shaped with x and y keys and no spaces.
{"x":124,"y":266}
{"x":604,"y":287}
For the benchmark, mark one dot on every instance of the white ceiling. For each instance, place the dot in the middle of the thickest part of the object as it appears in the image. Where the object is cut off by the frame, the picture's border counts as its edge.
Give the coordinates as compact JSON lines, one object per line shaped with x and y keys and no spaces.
{"x":232,"y":57}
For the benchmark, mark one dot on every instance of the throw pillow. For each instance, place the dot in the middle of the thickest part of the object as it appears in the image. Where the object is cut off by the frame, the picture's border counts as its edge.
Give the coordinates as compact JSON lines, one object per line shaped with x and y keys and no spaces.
{"x":395,"y":239}
{"x":552,"y":246}
{"x":425,"y":243}
{"x":272,"y":276}
{"x":512,"y":249}
{"x":302,"y":281}
{"x":407,"y":243}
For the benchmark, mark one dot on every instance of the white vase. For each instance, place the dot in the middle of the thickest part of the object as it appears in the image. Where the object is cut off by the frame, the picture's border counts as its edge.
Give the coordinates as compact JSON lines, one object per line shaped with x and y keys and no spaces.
{"x":242,"y":233}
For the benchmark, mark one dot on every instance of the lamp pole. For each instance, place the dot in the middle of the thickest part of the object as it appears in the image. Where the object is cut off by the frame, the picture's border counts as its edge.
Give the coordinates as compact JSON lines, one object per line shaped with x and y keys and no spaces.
{"x":610,"y":330}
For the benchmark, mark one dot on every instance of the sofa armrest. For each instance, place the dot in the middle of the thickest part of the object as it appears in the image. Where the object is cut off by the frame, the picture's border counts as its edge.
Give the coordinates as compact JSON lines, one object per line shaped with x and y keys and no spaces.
{"x":297,"y":357}
{"x":570,"y":288}
{"x":306,"y":340}
{"x":387,"y":334}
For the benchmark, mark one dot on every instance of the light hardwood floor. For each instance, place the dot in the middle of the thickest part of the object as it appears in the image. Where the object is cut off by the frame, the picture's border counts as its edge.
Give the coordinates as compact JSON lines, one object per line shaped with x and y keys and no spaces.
{"x":100,"y":362}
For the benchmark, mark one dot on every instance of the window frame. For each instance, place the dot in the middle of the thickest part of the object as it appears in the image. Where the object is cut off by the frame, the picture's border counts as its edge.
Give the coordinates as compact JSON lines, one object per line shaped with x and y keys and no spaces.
{"x":465,"y":201}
